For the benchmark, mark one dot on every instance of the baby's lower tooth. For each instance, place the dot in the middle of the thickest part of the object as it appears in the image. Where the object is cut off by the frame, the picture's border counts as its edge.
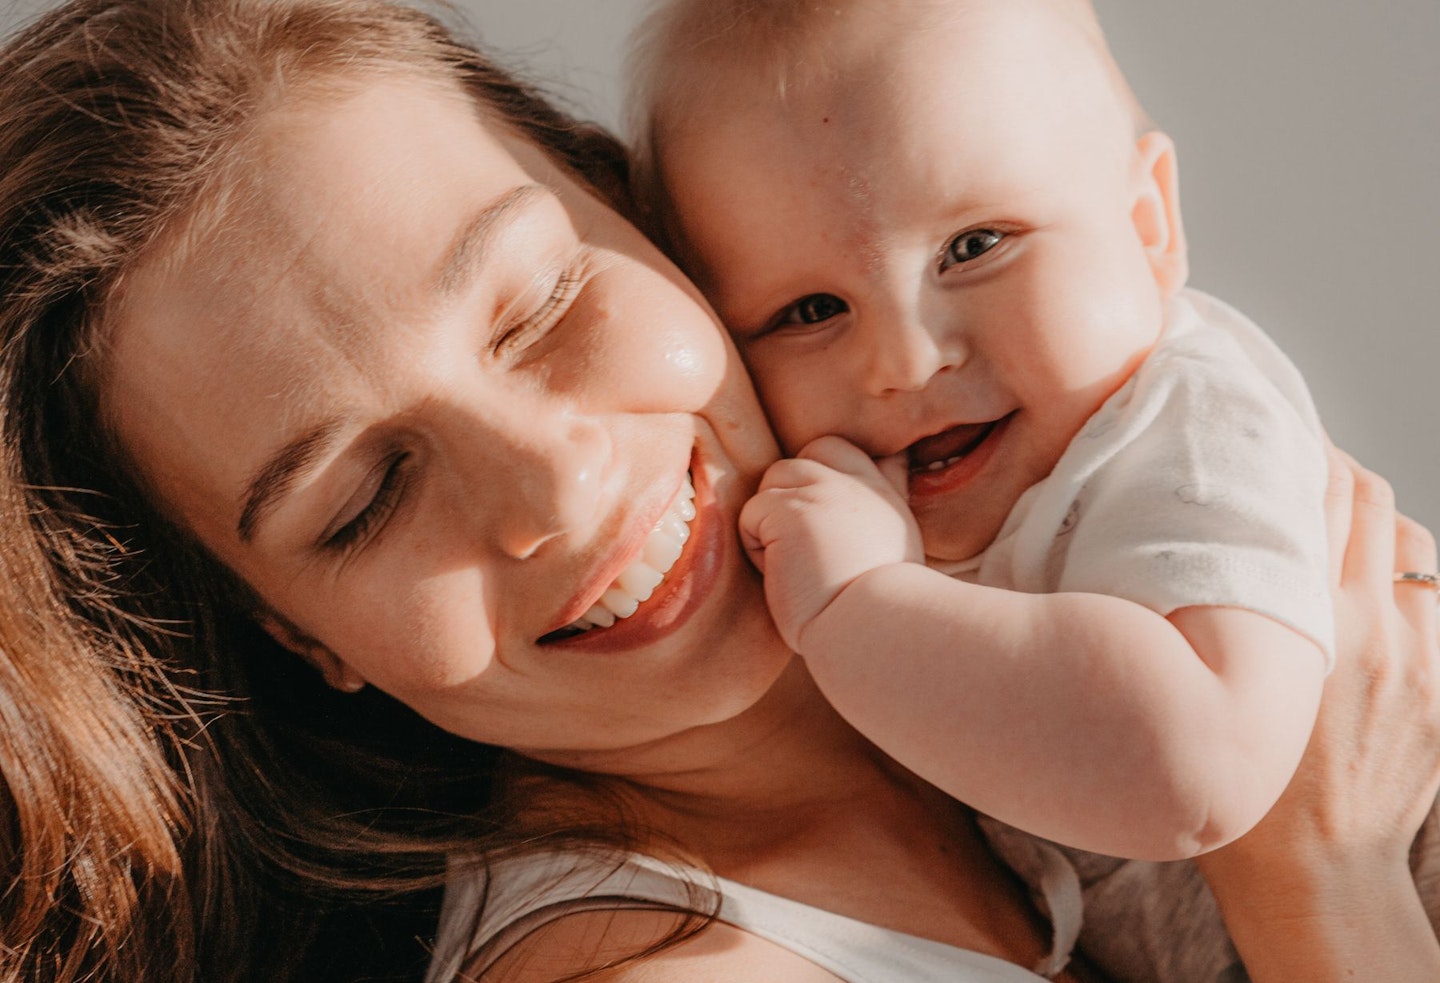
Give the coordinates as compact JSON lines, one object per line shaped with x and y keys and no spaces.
{"x":685,"y":509}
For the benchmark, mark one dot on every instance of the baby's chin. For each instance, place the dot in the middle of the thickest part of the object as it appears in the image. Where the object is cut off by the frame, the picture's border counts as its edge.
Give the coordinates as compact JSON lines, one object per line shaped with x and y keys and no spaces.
{"x":961,"y":522}
{"x":952,"y":540}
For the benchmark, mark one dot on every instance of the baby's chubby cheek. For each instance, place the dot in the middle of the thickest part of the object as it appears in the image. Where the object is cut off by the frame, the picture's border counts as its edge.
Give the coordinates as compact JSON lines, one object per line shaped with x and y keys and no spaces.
{"x":797,"y":400}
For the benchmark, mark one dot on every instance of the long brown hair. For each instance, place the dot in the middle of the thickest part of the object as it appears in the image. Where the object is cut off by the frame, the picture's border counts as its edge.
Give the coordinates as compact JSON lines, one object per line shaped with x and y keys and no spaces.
{"x":181,"y":797}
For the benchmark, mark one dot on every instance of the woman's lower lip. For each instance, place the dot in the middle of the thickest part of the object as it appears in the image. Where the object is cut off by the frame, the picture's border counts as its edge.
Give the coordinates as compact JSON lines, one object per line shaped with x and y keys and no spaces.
{"x":681,"y":593}
{"x":925,"y":485}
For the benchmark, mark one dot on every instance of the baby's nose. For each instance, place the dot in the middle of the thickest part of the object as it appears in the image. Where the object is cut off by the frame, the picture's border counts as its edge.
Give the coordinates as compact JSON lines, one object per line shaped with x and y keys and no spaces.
{"x":907,"y":353}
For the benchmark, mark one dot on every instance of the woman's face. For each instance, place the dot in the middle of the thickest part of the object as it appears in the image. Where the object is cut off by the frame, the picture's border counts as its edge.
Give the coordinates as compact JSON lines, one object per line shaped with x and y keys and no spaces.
{"x":429,"y":397}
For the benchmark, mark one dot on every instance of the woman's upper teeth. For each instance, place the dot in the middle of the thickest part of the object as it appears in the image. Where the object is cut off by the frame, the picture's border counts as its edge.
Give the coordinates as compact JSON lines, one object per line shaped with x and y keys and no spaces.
{"x":638,"y":581}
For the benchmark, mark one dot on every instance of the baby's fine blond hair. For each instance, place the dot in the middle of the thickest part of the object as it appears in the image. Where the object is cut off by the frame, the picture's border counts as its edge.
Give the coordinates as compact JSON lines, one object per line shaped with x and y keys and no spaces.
{"x":684,"y":52}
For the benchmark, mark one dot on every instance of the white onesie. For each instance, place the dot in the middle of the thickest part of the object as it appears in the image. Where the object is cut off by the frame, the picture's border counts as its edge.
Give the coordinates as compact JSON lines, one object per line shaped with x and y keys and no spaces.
{"x":1200,"y":482}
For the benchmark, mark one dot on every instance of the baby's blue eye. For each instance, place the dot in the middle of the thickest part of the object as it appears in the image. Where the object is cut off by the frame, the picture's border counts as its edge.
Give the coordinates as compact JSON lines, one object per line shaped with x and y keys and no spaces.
{"x":970,"y":245}
{"x":815,"y":308}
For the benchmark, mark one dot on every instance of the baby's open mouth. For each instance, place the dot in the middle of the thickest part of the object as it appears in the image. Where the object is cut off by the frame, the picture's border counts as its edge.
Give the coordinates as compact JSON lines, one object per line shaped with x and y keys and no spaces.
{"x":939,"y":451}
{"x":637,"y":582}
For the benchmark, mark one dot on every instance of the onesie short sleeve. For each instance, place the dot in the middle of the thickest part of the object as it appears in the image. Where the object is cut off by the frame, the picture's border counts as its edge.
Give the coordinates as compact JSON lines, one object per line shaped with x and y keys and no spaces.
{"x":1200,"y":482}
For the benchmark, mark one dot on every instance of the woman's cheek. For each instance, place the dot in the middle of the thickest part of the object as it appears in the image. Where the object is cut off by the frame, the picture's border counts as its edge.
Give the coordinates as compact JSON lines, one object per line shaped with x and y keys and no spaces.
{"x":428,"y":637}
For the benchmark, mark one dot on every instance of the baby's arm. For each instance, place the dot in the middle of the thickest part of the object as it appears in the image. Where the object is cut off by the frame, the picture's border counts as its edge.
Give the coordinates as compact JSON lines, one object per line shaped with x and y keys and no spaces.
{"x":1084,"y":718}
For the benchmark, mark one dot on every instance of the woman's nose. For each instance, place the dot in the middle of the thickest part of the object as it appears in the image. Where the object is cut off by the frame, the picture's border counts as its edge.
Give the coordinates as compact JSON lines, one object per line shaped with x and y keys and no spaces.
{"x":906,"y":349}
{"x":546,"y":473}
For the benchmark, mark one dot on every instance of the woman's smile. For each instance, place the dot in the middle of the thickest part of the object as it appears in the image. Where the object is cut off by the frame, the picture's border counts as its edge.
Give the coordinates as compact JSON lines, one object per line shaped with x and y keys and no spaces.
{"x":692,"y":533}
{"x":638,"y":579}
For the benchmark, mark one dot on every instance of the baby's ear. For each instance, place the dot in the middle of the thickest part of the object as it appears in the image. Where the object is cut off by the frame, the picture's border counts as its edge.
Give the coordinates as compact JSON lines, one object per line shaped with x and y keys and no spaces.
{"x":1156,"y":212}
{"x":335,"y":671}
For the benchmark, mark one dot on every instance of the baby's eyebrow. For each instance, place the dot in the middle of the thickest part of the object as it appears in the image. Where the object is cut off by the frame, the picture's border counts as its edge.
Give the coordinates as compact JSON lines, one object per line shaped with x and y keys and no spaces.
{"x":467,"y":251}
{"x":273,"y":478}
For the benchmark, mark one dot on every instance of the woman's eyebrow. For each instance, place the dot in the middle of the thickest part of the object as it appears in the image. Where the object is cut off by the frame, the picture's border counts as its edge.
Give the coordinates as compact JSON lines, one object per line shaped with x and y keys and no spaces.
{"x":467,"y":251}
{"x":275,"y":476}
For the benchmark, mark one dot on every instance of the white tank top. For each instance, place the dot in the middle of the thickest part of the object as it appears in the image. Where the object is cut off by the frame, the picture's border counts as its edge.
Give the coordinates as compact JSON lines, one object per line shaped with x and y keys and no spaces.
{"x":522,"y":893}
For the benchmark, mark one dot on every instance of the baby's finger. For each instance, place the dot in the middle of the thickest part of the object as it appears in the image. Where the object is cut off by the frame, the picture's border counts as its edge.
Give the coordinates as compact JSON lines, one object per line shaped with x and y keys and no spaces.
{"x":839,"y":454}
{"x":793,"y":472}
{"x":752,"y":514}
{"x":896,"y":469}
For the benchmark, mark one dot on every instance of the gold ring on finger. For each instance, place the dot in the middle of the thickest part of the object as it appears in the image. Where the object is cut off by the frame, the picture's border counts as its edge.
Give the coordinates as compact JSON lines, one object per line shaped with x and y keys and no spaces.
{"x":1430,"y":580}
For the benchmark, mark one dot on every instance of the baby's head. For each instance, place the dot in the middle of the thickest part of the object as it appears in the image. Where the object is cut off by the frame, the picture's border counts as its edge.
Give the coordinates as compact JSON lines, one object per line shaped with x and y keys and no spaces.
{"x":936,"y":227}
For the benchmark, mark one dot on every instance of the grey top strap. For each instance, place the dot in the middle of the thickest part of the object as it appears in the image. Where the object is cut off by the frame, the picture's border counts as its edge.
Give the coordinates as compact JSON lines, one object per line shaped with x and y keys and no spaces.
{"x":520,"y":894}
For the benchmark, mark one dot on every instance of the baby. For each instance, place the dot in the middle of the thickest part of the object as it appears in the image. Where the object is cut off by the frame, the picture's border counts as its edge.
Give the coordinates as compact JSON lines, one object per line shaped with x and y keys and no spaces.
{"x":1052,"y":535}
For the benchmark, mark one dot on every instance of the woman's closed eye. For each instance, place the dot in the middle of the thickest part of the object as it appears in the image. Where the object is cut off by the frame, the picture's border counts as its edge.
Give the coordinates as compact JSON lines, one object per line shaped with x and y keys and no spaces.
{"x":516,"y":335}
{"x":969,"y":246}
{"x":372,"y":505}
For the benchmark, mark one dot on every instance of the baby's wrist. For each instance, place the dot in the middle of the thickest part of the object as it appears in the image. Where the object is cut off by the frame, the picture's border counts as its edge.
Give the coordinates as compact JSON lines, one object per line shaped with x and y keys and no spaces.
{"x":840,"y":622}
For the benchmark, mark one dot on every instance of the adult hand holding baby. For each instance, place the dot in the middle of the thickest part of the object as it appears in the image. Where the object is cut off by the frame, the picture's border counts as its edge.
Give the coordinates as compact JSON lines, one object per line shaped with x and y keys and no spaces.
{"x":1340,"y":837}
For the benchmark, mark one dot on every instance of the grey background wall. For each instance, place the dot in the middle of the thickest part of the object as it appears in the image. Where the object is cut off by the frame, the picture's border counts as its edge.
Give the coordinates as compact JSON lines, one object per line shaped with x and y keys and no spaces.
{"x":1309,"y":135}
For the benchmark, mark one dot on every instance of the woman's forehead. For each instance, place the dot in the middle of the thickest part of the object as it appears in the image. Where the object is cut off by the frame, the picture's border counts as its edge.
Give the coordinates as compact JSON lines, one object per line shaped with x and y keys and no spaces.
{"x":337,"y":209}
{"x":374,"y":168}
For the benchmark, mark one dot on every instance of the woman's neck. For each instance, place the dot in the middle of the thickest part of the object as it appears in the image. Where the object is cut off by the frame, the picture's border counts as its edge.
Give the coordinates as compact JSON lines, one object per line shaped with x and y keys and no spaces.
{"x":790,"y":799}
{"x":784,"y":761}
{"x":790,"y":762}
